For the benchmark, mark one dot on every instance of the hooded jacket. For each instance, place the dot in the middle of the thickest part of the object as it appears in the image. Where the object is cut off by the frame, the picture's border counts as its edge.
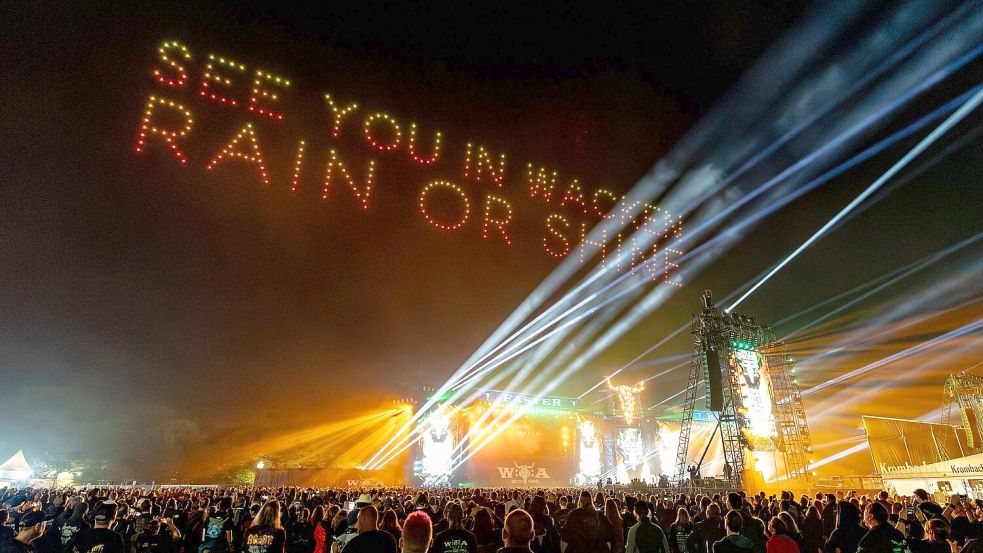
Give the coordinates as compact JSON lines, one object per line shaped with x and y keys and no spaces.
{"x":734,"y":544}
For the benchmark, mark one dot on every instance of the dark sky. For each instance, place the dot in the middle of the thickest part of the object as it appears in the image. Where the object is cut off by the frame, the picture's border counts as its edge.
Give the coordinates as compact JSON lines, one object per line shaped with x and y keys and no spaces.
{"x":136,"y":291}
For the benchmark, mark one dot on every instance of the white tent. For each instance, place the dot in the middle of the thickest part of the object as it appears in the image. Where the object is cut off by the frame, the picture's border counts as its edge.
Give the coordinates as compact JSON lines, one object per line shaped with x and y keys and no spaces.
{"x":15,"y":468}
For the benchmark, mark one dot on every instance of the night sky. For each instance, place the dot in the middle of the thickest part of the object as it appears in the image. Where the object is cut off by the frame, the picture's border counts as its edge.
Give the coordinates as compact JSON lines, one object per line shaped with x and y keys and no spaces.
{"x":141,"y":298}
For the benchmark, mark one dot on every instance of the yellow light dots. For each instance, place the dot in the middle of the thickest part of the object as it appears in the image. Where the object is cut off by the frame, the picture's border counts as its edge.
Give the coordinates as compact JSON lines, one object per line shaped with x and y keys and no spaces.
{"x":170,"y":136}
{"x":584,"y":242}
{"x":627,"y":399}
{"x":213,"y":78}
{"x":541,"y":182}
{"x":260,"y":92}
{"x":673,"y":236}
{"x":574,"y":195}
{"x":554,"y":221}
{"x":231,"y":151}
{"x":180,"y":75}
{"x":338,"y":113}
{"x":599,"y":209}
{"x":411,"y":145}
{"x":298,"y":163}
{"x":394,"y":131}
{"x":498,"y":221}
{"x":448,"y":186}
{"x":336,"y":165}
{"x":478,"y":165}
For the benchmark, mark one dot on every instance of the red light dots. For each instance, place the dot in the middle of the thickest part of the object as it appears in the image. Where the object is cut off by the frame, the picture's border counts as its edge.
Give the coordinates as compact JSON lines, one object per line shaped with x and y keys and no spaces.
{"x":411,"y":145}
{"x":169,"y":136}
{"x":335,"y":164}
{"x":181,"y":75}
{"x":219,"y":80}
{"x":448,"y":186}
{"x":498,"y":221}
{"x":338,"y":112}
{"x":395,"y":132}
{"x":231,"y":151}
{"x":482,"y":165}
{"x":259,"y":91}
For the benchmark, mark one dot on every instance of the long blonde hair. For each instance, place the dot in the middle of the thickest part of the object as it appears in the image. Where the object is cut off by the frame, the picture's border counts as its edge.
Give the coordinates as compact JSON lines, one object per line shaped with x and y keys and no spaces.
{"x":269,"y":515}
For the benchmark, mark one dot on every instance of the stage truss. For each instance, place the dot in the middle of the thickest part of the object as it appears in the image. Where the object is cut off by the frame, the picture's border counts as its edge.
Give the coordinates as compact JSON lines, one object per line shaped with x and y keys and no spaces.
{"x":966,"y":392}
{"x":724,"y":339}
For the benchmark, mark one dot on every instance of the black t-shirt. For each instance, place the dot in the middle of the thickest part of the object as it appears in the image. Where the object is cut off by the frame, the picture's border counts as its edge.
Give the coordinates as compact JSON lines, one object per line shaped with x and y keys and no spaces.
{"x":263,"y":539}
{"x":454,"y":541}
{"x":373,"y":541}
{"x":145,"y":542}
{"x":101,"y":540}
{"x":71,"y":529}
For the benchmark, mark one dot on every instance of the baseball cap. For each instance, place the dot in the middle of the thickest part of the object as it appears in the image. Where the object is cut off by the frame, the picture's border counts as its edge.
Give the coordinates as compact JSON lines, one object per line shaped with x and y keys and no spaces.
{"x":106,"y":510}
{"x":32,"y":518}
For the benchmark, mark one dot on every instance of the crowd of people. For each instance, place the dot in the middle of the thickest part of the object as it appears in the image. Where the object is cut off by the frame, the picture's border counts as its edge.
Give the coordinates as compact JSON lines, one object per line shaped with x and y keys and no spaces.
{"x":404,"y":520}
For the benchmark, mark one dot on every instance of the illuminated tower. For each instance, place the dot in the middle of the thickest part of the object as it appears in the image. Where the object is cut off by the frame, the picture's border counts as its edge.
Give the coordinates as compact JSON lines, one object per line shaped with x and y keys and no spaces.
{"x":751,"y":388}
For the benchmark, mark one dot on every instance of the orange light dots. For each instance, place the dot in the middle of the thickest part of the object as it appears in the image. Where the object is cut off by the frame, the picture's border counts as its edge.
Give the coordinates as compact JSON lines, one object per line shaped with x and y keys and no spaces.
{"x":449,"y":186}
{"x":338,"y":114}
{"x":395,"y":132}
{"x":170,"y":136}
{"x":574,"y":195}
{"x":212,"y":78}
{"x":298,"y":162}
{"x":181,"y":75}
{"x":260,"y":92}
{"x":336,"y":165}
{"x":498,"y":221}
{"x":599,"y":210}
{"x":232,"y":151}
{"x":541,"y":182}
{"x":411,"y":146}
{"x":552,"y":222}
{"x":478,"y":164}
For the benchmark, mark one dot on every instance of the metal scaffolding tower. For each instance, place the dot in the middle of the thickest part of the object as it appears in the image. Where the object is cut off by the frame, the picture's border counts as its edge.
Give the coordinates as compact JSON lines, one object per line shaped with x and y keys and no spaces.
{"x":717,"y":338}
{"x":966,"y":392}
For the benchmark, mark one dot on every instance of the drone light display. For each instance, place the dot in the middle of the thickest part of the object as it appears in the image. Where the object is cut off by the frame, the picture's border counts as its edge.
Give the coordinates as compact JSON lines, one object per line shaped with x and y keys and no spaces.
{"x":327,"y":146}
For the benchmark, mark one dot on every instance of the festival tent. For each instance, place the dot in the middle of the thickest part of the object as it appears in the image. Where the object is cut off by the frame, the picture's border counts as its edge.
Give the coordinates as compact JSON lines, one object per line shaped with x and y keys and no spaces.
{"x":16,"y":468}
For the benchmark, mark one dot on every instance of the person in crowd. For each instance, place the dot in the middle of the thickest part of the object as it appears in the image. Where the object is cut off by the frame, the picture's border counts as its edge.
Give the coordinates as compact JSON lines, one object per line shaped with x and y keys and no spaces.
{"x":792,"y":528}
{"x":752,"y":527}
{"x":708,"y":531}
{"x":266,"y":533}
{"x":547,"y":538}
{"x":322,"y":527}
{"x":612,"y":512}
{"x":101,"y":537}
{"x":518,"y":532}
{"x":586,"y":530}
{"x":734,"y":541}
{"x":417,"y":534}
{"x":455,"y":539}
{"x":936,"y":537}
{"x":882,"y":537}
{"x":812,"y":529}
{"x":848,"y":531}
{"x":390,"y":523}
{"x":217,"y":530}
{"x":780,"y":540}
{"x":680,"y":532}
{"x":370,"y":539}
{"x":30,"y":527}
{"x":645,"y":536}
{"x":485,"y":532}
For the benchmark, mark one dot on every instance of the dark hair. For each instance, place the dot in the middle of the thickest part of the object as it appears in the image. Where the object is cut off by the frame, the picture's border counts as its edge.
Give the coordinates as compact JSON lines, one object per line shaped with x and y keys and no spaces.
{"x":641,"y":509}
{"x":779,"y":526}
{"x":879,"y":513}
{"x":733,"y":521}
{"x":735,"y":500}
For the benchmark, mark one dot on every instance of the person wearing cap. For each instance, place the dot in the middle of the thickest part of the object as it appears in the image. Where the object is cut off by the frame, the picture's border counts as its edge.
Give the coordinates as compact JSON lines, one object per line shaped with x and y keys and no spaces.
{"x":29,"y":528}
{"x":101,"y":537}
{"x":363,"y":500}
